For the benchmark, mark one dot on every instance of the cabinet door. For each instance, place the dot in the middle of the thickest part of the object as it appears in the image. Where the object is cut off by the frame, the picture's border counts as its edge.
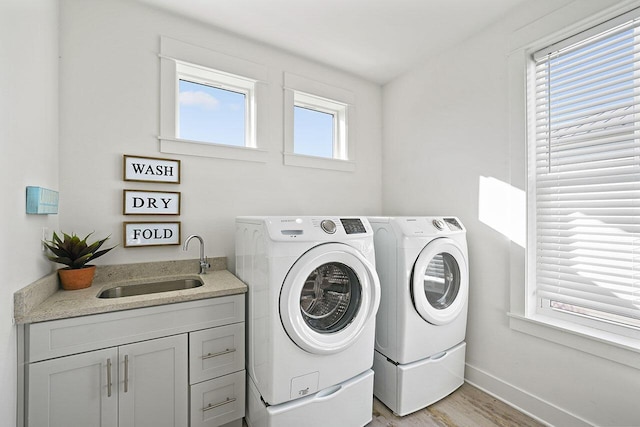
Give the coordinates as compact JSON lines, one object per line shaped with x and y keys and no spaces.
{"x":74,"y":391}
{"x":153,"y":389}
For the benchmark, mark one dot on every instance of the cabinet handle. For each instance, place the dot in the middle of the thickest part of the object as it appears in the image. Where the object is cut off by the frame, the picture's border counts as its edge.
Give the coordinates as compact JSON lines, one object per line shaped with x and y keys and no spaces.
{"x":220,"y":353}
{"x":210,"y":406}
{"x":126,"y":373}
{"x":109,"y":377}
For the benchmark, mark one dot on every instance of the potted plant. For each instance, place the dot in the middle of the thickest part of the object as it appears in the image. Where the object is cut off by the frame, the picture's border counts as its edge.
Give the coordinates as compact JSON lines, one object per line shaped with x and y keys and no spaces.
{"x":75,"y":253}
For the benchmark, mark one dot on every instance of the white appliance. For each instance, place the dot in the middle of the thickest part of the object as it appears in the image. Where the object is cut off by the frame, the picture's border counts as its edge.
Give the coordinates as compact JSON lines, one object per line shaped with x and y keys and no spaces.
{"x":313,"y":293}
{"x":422,"y":264}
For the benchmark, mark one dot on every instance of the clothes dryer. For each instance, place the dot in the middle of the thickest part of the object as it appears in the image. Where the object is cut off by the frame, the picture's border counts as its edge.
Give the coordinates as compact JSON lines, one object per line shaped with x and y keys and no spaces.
{"x":422,"y":264}
{"x":313,"y":294}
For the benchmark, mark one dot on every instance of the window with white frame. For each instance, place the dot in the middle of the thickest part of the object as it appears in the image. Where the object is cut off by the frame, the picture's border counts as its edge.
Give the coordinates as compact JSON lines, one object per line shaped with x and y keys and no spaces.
{"x":584,"y":178}
{"x":319,"y":127}
{"x":318,"y":119}
{"x":209,"y":103}
{"x":214,"y":107}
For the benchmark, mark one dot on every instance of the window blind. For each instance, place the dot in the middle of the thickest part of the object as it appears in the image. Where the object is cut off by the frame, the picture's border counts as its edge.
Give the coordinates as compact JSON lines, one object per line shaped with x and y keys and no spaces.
{"x":586,"y":167}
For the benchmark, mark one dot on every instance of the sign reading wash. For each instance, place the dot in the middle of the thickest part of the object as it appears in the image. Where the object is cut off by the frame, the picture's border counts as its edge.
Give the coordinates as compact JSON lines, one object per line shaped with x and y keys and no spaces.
{"x":151,"y":169}
{"x":151,"y":233}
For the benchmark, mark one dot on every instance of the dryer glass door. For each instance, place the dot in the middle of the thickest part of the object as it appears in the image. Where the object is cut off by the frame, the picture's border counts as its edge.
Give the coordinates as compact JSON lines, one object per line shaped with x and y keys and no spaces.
{"x":330,"y":294}
{"x":440,"y":281}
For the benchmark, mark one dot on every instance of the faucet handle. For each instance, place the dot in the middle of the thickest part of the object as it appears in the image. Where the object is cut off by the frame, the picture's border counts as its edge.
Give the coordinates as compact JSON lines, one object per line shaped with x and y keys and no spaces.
{"x":204,"y":265}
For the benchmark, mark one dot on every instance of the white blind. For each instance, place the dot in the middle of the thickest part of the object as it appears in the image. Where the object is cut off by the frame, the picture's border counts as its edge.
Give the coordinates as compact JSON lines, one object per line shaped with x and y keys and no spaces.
{"x":587,"y":175}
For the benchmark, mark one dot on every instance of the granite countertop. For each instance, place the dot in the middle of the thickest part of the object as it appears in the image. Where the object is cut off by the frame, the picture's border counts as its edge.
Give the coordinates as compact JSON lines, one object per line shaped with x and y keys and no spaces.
{"x":44,"y":299}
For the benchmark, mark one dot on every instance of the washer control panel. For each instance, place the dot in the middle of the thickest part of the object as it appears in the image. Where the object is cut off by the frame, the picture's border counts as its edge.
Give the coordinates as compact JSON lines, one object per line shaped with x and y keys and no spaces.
{"x":353,"y":226}
{"x":328,"y":226}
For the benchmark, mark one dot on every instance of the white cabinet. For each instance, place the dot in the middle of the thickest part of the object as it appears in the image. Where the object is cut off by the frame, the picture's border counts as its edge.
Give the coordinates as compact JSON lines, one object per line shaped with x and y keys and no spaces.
{"x":152,"y":389}
{"x":138,"y":368}
{"x":217,"y":375}
{"x":74,"y":391}
{"x":141,"y":384}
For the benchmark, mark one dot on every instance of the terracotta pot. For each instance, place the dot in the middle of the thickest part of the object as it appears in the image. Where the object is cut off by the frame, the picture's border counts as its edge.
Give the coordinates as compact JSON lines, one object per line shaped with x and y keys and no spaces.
{"x":77,"y":278}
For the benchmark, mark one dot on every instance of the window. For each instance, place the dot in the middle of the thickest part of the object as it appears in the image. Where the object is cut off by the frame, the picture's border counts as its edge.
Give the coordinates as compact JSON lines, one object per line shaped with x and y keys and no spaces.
{"x":214,"y":107}
{"x":209,"y":103}
{"x":584,"y":186}
{"x":316,"y":125}
{"x":313,"y":132}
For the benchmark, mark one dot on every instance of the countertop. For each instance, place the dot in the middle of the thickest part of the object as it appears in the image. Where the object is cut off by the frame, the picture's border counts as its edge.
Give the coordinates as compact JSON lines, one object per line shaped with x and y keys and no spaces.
{"x":44,"y":299}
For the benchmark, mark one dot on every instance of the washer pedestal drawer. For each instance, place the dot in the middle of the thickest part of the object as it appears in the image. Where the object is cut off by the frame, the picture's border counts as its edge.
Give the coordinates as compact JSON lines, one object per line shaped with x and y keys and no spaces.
{"x":345,"y":404}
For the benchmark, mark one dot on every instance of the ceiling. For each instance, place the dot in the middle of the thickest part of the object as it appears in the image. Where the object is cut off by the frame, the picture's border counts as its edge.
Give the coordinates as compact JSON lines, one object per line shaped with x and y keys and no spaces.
{"x":374,"y":39}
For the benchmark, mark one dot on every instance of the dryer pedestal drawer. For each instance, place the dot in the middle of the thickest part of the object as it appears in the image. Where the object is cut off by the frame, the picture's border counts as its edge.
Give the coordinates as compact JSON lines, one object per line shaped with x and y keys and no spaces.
{"x":413,"y":386}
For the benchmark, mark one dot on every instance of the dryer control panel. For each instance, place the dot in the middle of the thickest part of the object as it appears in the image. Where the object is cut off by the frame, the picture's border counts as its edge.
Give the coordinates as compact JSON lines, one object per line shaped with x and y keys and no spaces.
{"x":453,"y":223}
{"x":428,"y":226}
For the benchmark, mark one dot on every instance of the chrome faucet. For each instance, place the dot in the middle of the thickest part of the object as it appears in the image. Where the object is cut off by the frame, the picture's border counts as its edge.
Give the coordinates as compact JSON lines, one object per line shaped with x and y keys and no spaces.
{"x":204,"y":264}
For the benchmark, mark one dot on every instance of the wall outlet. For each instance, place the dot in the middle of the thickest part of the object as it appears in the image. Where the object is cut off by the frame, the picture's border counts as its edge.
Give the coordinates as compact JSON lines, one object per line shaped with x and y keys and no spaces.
{"x":45,"y":236}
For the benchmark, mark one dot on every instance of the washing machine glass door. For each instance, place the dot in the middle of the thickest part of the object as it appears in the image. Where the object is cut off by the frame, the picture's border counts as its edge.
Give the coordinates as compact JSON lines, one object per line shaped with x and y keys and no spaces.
{"x":327,"y":298}
{"x":440,"y":281}
{"x":330,"y":297}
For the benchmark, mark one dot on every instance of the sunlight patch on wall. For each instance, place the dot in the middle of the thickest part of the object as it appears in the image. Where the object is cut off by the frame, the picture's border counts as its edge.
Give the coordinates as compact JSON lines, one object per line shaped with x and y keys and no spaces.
{"x":503,"y":208}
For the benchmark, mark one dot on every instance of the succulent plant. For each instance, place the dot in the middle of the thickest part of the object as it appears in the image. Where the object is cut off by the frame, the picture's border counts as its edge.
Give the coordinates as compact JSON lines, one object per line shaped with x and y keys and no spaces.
{"x":73,"y":251}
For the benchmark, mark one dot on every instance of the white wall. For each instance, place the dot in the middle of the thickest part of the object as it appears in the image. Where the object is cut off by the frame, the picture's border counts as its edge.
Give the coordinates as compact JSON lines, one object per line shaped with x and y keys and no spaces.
{"x":446,"y":126}
{"x":110,"y":106}
{"x":29,"y":140}
{"x":447,"y":130}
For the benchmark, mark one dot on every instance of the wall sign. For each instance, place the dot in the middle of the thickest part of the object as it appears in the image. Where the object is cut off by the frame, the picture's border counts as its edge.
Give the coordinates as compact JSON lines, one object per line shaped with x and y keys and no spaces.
{"x":138,"y":234}
{"x":151,"y":169}
{"x":137,"y":202}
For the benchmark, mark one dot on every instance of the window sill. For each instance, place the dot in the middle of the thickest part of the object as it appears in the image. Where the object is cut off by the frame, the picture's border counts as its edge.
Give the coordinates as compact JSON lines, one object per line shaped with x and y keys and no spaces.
{"x":606,"y":345}
{"x":291,"y":159}
{"x":204,"y":149}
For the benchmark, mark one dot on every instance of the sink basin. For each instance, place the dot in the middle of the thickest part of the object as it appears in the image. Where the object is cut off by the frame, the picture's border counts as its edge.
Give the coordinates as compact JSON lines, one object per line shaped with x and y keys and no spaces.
{"x":150,"y":288}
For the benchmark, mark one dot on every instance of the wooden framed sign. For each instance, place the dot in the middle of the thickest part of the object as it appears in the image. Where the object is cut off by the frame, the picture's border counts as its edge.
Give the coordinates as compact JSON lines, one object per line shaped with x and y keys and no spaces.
{"x":151,"y":169}
{"x":137,"y":202}
{"x":152,"y":233}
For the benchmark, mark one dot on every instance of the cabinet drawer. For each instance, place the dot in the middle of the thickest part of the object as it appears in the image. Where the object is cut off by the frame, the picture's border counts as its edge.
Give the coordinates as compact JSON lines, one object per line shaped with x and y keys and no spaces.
{"x":215,"y":352}
{"x":218,"y":401}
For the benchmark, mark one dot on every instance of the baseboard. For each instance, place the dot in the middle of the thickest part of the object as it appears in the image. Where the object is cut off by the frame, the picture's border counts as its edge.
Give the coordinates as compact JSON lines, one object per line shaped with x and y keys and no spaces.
{"x":521,"y":400}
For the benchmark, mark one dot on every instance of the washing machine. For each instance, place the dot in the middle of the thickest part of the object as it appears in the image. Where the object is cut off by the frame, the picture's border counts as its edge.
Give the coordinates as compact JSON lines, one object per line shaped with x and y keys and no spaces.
{"x":422,"y":264}
{"x":313,"y":294}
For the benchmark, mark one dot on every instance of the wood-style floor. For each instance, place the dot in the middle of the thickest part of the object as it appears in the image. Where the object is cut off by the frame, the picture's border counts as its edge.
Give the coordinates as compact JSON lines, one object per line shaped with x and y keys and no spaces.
{"x":466,"y":407}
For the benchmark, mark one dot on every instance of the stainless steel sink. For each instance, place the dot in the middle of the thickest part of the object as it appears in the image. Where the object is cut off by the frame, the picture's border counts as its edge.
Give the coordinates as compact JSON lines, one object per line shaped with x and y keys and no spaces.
{"x":150,"y":288}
